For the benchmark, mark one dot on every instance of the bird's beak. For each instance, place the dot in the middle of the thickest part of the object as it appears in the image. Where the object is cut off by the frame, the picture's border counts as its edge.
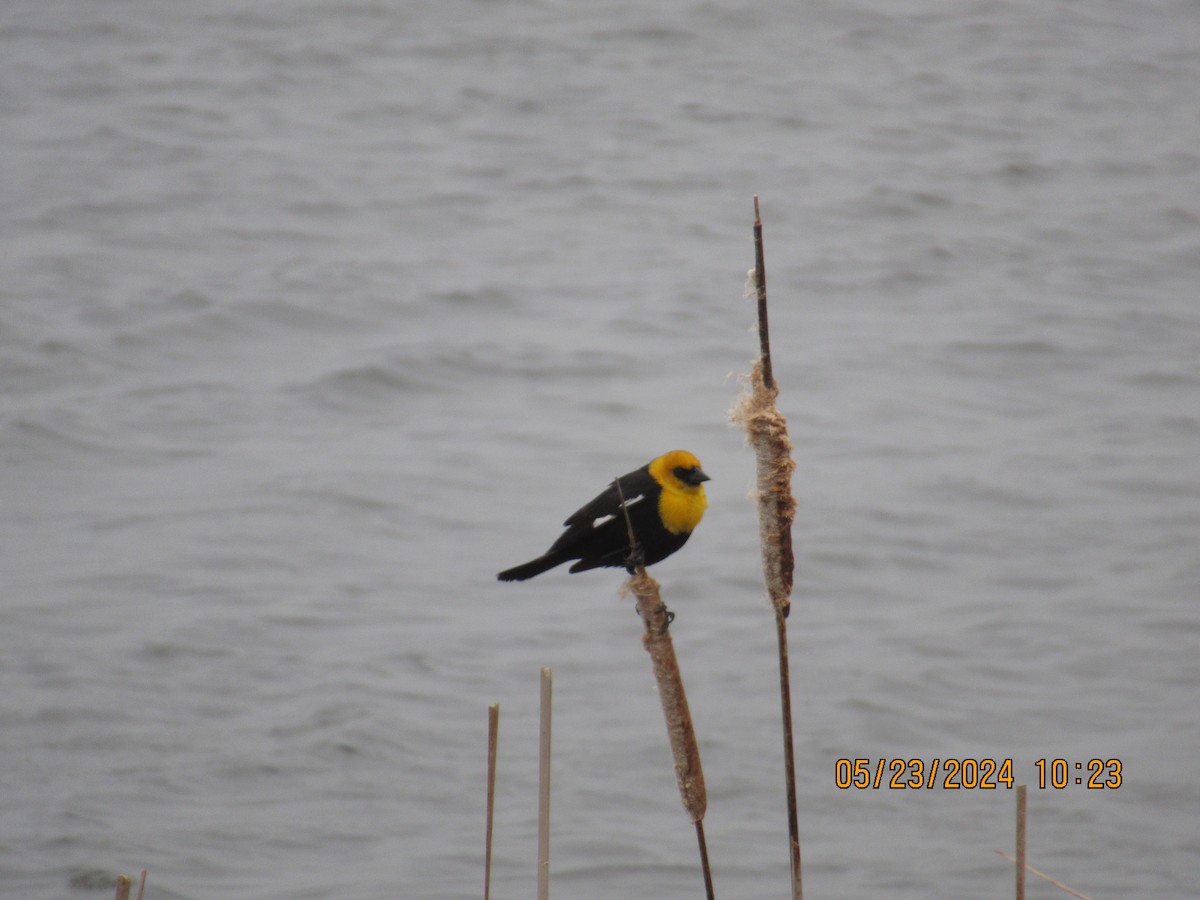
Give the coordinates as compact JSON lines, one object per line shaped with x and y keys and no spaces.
{"x":696,"y":476}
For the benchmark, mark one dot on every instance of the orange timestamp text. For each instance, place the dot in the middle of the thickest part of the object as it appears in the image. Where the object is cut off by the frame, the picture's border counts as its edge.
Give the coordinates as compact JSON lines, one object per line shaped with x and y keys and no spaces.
{"x":967,"y":773}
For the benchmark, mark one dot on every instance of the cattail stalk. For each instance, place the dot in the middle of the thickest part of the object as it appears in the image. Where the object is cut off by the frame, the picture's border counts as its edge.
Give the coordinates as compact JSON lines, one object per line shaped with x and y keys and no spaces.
{"x":766,"y":431}
{"x":1021,"y":792}
{"x":493,"y":737}
{"x":657,"y":640}
{"x":689,"y":774}
{"x":543,"y":865}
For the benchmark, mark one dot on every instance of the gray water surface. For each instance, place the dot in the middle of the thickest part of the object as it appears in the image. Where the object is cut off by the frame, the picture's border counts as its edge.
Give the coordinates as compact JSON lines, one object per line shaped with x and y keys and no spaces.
{"x":313,"y":317}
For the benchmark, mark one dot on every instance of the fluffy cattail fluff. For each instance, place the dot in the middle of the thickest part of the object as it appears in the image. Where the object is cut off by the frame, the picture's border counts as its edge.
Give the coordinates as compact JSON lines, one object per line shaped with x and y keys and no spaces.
{"x":766,"y":431}
{"x":657,"y":640}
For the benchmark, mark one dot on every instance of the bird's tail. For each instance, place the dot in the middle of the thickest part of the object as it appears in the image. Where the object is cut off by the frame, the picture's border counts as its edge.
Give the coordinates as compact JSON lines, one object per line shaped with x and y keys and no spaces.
{"x":531,"y":568}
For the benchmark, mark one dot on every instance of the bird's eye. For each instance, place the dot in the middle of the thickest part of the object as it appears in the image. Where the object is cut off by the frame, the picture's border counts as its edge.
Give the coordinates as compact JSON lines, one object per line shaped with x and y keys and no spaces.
{"x":682,"y":473}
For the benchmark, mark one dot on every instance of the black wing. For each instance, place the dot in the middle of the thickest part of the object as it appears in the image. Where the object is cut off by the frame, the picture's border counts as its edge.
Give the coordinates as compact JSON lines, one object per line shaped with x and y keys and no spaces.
{"x":604,"y":511}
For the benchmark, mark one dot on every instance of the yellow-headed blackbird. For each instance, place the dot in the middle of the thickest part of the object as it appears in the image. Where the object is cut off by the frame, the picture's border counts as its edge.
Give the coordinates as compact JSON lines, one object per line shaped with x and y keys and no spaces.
{"x":665,"y":499}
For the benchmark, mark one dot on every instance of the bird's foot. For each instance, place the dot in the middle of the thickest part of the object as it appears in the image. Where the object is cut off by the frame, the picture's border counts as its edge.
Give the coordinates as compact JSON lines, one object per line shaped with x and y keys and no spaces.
{"x":668,"y":618}
{"x":636,"y":558}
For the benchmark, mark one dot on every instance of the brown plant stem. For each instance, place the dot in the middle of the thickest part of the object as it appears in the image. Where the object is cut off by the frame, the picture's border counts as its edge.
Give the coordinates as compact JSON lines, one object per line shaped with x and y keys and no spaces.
{"x":656,"y":638}
{"x":1042,"y":875}
{"x":766,"y":431}
{"x":543,"y":866}
{"x":789,"y":755}
{"x":760,"y":281}
{"x":493,"y":738}
{"x":1021,"y":795}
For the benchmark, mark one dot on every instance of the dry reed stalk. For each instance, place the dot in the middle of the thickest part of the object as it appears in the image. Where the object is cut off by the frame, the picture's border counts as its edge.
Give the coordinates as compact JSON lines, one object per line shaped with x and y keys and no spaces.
{"x":656,"y":638}
{"x":141,"y":885}
{"x":543,"y":868}
{"x":689,"y":774}
{"x":1040,"y":874}
{"x":1021,"y":792}
{"x":493,"y":736}
{"x":124,"y":882}
{"x":766,"y":431}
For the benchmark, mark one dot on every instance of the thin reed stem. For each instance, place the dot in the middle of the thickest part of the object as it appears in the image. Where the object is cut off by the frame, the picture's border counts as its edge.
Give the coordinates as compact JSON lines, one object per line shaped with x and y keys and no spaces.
{"x":124,"y":883}
{"x":760,"y":280}
{"x":1040,"y":874}
{"x":141,"y":885}
{"x":543,"y":873}
{"x":708,"y":884}
{"x":1021,"y":792}
{"x":789,"y":755}
{"x":766,"y":431}
{"x":493,"y":736}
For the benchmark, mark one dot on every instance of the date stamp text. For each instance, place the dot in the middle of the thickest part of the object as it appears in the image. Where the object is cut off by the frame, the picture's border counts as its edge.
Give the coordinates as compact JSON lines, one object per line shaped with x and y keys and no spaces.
{"x":966,"y":773}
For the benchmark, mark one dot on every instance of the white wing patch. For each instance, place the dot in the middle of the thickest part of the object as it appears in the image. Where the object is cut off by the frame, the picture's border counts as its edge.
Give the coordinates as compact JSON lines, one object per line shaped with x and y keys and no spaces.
{"x":604,"y":520}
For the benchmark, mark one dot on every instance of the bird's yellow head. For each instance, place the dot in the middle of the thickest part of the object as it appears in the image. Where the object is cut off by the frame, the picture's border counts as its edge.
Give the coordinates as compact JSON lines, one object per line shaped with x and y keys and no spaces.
{"x":683,"y":501}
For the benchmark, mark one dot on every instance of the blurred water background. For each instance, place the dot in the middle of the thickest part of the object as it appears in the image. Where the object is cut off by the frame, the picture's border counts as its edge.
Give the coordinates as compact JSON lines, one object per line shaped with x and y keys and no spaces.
{"x":314,"y":316}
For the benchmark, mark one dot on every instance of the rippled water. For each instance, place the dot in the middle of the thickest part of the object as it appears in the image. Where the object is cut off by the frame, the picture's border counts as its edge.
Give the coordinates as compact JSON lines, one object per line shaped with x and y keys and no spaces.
{"x":315,"y":316}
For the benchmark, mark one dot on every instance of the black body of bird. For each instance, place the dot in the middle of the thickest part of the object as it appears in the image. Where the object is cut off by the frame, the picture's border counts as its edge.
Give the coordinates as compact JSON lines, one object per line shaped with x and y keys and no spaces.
{"x":665,"y":499}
